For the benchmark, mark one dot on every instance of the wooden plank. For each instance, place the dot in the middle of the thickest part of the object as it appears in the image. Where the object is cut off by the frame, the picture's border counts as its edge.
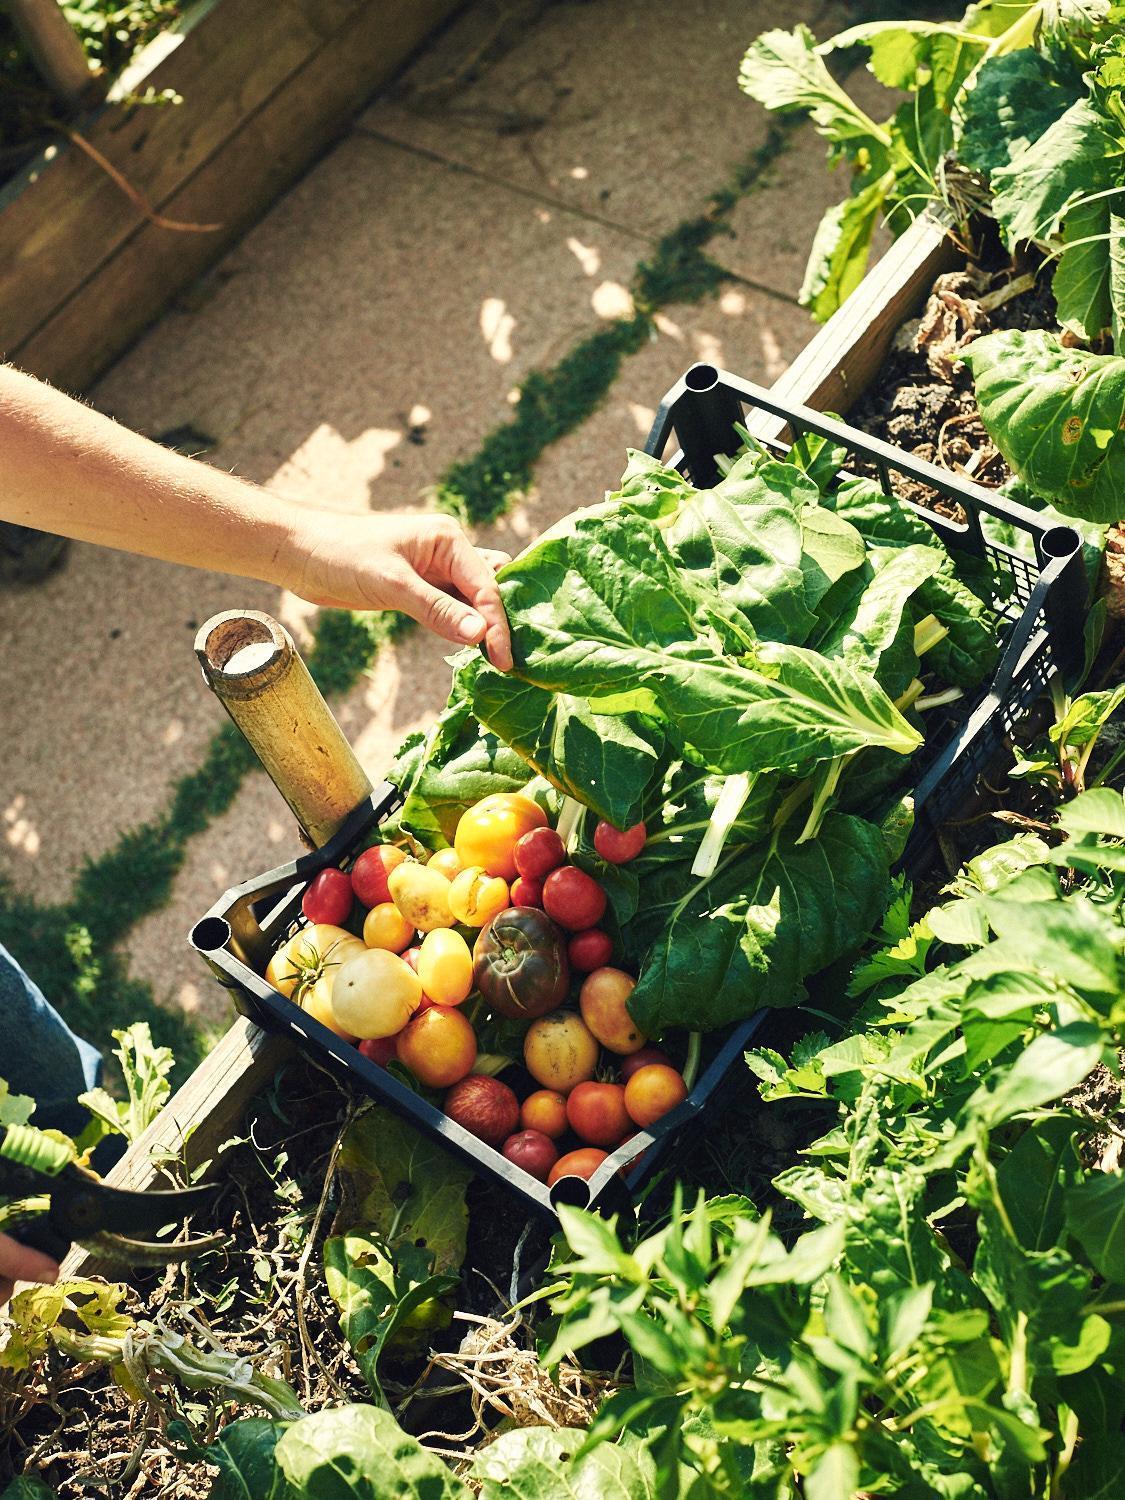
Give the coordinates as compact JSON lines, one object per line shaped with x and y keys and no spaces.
{"x":237,"y":185}
{"x":835,"y":369}
{"x":196,"y":1121}
{"x":65,"y":216}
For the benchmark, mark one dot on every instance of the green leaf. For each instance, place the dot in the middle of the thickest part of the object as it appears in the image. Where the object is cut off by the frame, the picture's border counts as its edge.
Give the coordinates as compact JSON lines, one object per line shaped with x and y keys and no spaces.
{"x":1034,"y":1180}
{"x":403,"y":1187}
{"x":1095,"y":1216}
{"x":1081,"y":280}
{"x":1056,"y":415}
{"x":361,"y":1453}
{"x":34,"y":1489}
{"x":768,"y":918}
{"x":1051,"y":1066}
{"x":1015,"y":99}
{"x":841,"y":248}
{"x":244,"y":1453}
{"x":15,"y":1109}
{"x":377,"y":1292}
{"x":1100,"y":811}
{"x":1072,"y":158}
{"x":537,"y":1463}
{"x":1086,"y":716}
{"x":784,"y":71}
{"x":835,"y":1475}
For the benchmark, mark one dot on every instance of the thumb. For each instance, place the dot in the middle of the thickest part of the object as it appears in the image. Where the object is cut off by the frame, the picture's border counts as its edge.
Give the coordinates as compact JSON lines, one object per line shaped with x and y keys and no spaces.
{"x":450,"y":618}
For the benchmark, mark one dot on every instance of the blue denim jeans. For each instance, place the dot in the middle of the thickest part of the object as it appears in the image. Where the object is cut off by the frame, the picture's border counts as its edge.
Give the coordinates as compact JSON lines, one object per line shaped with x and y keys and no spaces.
{"x":39,"y":1054}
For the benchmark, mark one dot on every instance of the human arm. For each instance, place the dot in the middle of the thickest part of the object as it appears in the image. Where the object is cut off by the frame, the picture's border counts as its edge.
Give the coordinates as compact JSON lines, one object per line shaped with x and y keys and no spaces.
{"x":18,"y":1263}
{"x":72,"y":471}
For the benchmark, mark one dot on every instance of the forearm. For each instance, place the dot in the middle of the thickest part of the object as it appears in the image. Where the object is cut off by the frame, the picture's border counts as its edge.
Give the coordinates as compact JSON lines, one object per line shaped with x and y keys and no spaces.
{"x":70,"y":470}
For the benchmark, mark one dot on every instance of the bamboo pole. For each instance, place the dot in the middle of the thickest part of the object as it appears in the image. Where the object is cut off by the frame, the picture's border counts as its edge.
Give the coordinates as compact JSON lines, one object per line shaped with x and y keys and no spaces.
{"x":55,"y":50}
{"x":250,"y":663}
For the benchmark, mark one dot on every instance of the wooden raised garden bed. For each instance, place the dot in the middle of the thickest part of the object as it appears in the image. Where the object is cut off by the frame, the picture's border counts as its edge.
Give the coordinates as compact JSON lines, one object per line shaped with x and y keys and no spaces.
{"x":265,"y":84}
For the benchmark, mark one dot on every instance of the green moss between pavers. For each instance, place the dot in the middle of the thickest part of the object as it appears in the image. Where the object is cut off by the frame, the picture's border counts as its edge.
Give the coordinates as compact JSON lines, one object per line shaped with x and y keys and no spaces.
{"x":69,"y":949}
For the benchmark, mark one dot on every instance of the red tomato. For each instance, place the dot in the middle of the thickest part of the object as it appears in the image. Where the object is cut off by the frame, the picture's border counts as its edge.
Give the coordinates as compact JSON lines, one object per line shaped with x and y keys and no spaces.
{"x":583,"y":1163}
{"x":652,"y":1092}
{"x":370,"y":871}
{"x":642,"y":1059}
{"x":574,"y":899}
{"x":597,"y":1113}
{"x":526,"y":892}
{"x":485,"y":1107}
{"x":533,"y":1151}
{"x":328,"y":898}
{"x":619,"y":846}
{"x":381,"y":1050}
{"x":411,"y":956}
{"x":538,"y":853}
{"x":589,"y":950}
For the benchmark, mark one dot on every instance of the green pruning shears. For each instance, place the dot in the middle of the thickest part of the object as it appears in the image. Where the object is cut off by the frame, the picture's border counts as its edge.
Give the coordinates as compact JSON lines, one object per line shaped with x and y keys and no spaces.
{"x":58,"y":1203}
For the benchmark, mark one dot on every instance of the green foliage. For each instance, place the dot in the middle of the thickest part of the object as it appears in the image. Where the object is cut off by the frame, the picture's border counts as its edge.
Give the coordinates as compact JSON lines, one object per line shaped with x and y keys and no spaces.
{"x":1055,"y":414}
{"x":949,"y":1322}
{"x":145,"y":1069}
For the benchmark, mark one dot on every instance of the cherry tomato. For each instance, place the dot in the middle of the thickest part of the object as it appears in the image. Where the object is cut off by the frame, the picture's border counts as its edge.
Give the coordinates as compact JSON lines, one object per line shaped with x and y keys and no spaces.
{"x":526,"y":892}
{"x":583,"y":1163}
{"x":573,"y":898}
{"x":538,"y":853}
{"x":485,"y":1107}
{"x":545,"y":1112}
{"x":642,"y":1059}
{"x":380,"y":1049}
{"x":370,"y":871}
{"x":487,"y":833}
{"x":619,"y":846}
{"x":519,"y":963}
{"x":328,"y":898}
{"x":533,"y":1151}
{"x":386,"y":927}
{"x":438,"y":1046}
{"x":589,"y":950}
{"x":597,"y":1113}
{"x":652,"y":1092}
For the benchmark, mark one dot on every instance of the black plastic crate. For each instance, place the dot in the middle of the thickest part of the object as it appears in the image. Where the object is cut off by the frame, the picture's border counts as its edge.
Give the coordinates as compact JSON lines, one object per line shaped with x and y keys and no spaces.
{"x":1042,"y":604}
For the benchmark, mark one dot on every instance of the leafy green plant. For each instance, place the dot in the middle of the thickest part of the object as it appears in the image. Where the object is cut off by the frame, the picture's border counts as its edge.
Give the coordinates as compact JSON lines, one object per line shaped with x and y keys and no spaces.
{"x":997,"y":99}
{"x":949,"y":1320}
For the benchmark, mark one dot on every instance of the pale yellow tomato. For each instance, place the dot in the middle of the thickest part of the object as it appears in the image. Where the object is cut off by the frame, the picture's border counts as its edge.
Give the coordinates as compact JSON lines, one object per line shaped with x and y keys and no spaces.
{"x":445,"y":967}
{"x":445,"y":862}
{"x":475,"y":897}
{"x":375,"y":994}
{"x":311,"y":952}
{"x":386,"y":927}
{"x":421,"y":895}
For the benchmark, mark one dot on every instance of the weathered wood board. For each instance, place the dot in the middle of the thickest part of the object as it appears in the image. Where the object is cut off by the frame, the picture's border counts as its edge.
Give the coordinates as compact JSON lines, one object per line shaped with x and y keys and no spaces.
{"x":266,"y":85}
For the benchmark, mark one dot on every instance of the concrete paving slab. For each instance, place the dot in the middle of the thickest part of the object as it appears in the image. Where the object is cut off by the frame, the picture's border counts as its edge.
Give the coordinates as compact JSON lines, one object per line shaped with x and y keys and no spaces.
{"x":628,"y":109}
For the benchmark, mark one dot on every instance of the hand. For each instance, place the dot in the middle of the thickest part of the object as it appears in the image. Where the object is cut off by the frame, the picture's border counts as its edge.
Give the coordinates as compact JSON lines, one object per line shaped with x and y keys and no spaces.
{"x":425,"y":566}
{"x":18,"y":1263}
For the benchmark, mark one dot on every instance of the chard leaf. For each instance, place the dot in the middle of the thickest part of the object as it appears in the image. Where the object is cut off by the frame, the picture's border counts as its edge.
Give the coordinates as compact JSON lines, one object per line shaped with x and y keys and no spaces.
{"x":1015,"y":99}
{"x":603,"y":613}
{"x":908,"y":54}
{"x":539,"y":1463}
{"x":1081,"y":280}
{"x":243,"y":1453}
{"x":784,"y":71}
{"x":832,"y":548}
{"x":1070,"y":160}
{"x":1056,"y":415}
{"x":841,"y":248}
{"x":361,"y":1453}
{"x":769,"y":918}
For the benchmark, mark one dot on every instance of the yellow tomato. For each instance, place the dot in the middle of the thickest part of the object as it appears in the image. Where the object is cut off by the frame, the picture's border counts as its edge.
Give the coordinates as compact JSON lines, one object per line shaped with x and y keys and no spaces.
{"x":386,"y":927}
{"x":375,"y":994}
{"x":475,"y":898}
{"x":445,"y":967}
{"x":560,"y":1051}
{"x":421,"y":895}
{"x":311,"y":952}
{"x":445,"y":862}
{"x":488,"y":832}
{"x":317,"y":1001}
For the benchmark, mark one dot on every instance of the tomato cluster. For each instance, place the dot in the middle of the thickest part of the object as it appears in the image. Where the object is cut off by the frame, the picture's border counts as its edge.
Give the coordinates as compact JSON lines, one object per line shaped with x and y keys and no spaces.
{"x":505,"y":886}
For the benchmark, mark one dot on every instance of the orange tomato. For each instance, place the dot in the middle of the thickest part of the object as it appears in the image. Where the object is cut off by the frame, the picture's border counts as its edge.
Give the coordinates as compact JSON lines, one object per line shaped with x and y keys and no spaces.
{"x":445,"y":862}
{"x":652,"y":1092}
{"x":597,"y":1113}
{"x":602,"y":1001}
{"x":439,"y":1046}
{"x":583,"y":1163}
{"x":544,"y":1111}
{"x":488,"y":832}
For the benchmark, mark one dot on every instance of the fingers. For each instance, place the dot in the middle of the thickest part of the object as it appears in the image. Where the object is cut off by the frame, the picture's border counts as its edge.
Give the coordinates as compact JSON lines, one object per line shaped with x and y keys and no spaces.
{"x":19,"y":1263}
{"x":473,"y":574}
{"x":493,"y":558}
{"x":440,"y":612}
